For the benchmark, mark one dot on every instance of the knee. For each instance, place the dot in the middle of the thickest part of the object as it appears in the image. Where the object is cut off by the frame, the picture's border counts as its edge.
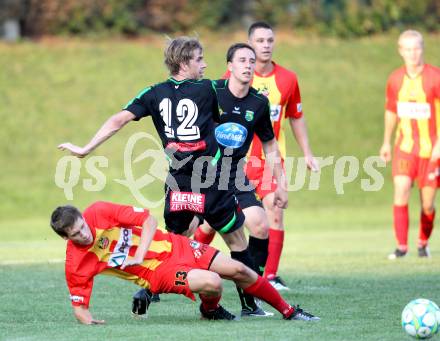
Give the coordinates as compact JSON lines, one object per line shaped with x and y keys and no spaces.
{"x":213,"y":283}
{"x":402,"y":191}
{"x":259,"y":228}
{"x":241,"y":271}
{"x":261,"y":232}
{"x":401,"y":196}
{"x":427,"y":208}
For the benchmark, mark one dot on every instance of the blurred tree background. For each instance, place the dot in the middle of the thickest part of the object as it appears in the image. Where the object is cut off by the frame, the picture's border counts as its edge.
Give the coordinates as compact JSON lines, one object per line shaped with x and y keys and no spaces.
{"x":341,"y":18}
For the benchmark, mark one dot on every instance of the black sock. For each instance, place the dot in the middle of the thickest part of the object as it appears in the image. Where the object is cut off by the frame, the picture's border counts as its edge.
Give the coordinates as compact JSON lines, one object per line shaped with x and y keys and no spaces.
{"x":247,"y":301}
{"x":259,"y":249}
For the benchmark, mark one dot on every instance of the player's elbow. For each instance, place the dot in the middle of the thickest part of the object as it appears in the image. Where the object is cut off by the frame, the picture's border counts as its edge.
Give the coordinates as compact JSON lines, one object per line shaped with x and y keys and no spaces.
{"x":121,"y":119}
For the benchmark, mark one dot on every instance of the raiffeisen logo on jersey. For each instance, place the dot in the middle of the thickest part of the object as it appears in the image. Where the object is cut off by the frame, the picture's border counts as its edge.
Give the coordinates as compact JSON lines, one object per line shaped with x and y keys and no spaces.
{"x":231,"y":135}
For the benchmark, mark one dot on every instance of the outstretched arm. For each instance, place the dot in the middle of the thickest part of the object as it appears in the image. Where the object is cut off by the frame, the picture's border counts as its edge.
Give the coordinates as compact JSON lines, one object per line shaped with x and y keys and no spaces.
{"x":84,"y":316}
{"x":108,"y":129}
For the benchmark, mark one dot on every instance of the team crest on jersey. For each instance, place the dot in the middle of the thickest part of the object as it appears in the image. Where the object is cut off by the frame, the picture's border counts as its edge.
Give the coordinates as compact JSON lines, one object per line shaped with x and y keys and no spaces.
{"x":103,"y":243}
{"x":264,"y":90}
{"x":194,"y":244}
{"x":249,"y":116}
{"x":198,"y":248}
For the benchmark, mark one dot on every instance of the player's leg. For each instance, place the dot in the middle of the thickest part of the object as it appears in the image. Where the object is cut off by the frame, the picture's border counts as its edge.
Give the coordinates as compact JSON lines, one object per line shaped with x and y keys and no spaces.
{"x":258,"y":226}
{"x":227,"y":219}
{"x":178,"y":222}
{"x":257,"y":286}
{"x":405,"y":170}
{"x":427,"y":216}
{"x":276,"y":241}
{"x":255,"y":220}
{"x":208,"y":285}
{"x":237,"y":243}
{"x":402,"y":190}
{"x":223,"y":214}
{"x":265,"y":188}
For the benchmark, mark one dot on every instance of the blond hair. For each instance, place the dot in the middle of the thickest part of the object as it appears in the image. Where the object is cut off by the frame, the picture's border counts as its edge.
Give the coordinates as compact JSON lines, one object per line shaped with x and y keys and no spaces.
{"x":410,"y":34}
{"x":180,"y":51}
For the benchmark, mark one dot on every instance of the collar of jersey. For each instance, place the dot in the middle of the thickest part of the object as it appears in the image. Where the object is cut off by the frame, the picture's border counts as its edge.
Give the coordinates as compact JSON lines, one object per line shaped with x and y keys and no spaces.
{"x":171,"y":79}
{"x":269,"y":74}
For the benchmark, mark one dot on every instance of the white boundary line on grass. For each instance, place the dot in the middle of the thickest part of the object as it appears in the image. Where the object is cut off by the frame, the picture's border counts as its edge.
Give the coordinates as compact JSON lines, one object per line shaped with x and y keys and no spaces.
{"x":24,"y":262}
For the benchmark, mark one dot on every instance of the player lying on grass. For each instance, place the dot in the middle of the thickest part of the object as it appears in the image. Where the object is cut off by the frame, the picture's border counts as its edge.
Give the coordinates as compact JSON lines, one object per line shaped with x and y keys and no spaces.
{"x":123,"y":241}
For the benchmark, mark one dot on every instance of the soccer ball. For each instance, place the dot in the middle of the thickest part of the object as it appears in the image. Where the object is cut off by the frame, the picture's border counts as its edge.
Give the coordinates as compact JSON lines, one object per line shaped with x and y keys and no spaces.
{"x":421,"y":318}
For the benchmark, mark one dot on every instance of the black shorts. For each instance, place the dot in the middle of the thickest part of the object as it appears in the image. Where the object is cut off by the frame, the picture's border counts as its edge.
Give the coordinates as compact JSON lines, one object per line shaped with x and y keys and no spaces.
{"x":247,"y":199}
{"x":243,"y":189}
{"x":218,"y":207}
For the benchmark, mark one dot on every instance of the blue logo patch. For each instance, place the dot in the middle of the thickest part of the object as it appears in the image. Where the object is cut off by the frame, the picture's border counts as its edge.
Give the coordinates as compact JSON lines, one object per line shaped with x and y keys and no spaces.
{"x":231,"y":135}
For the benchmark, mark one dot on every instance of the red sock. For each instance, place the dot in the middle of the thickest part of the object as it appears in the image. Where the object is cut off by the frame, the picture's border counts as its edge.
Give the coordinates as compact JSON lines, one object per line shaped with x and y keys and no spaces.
{"x":426,"y":226}
{"x":203,"y":237}
{"x":276,"y":240}
{"x":262,"y":289}
{"x":209,"y":303}
{"x":401,"y":225}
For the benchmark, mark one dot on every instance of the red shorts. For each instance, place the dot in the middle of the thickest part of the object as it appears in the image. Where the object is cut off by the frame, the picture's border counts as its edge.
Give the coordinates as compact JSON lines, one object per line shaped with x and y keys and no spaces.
{"x":426,"y":172}
{"x":264,"y":183}
{"x":186,"y":254}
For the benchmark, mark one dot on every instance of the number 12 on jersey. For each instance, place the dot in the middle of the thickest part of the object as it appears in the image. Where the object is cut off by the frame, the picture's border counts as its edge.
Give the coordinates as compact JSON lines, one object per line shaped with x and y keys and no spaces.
{"x":186,"y":114}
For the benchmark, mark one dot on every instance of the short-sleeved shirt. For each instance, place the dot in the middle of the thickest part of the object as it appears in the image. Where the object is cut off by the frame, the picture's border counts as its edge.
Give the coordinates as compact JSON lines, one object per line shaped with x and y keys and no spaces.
{"x":240,"y":120}
{"x":282,"y":90}
{"x":116,"y":234}
{"x":183,"y":114}
{"x":416,"y":101}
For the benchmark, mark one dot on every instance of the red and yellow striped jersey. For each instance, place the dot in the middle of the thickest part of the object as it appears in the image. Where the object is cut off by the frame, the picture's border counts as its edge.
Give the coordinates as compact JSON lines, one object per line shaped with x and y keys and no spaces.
{"x":416,"y":101}
{"x":116,"y":234}
{"x":282,"y":90}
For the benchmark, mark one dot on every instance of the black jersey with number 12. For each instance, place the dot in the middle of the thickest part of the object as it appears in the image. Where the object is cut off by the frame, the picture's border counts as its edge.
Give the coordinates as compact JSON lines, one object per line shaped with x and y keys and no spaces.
{"x":183,"y":114}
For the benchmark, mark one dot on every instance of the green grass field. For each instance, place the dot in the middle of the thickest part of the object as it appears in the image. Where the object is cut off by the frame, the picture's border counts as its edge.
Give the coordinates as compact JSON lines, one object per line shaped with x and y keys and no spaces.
{"x":336,"y":245}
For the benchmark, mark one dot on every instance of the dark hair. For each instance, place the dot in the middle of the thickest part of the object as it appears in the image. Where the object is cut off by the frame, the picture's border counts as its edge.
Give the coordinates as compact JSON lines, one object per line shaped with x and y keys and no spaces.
{"x":63,"y":218}
{"x":258,"y":24}
{"x":231,"y":51}
{"x":180,"y":51}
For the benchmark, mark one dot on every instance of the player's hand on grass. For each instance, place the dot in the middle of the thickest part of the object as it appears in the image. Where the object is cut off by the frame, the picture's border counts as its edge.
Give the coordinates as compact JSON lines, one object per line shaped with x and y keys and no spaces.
{"x":385,"y":152}
{"x":84,"y":316}
{"x":91,"y":321}
{"x":75,"y":150}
